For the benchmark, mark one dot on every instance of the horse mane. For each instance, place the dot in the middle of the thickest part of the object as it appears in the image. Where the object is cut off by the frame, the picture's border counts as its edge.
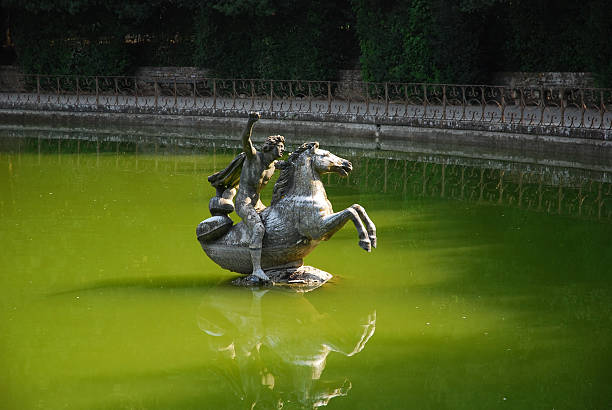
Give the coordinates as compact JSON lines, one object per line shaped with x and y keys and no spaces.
{"x":287,"y":171}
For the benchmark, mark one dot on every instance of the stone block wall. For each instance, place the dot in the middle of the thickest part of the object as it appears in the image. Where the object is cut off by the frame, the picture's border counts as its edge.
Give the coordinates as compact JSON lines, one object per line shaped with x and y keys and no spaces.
{"x":350,"y":87}
{"x":11,"y":79}
{"x":167,"y":77}
{"x":349,"y":75}
{"x":544,"y":79}
{"x":180,"y":74}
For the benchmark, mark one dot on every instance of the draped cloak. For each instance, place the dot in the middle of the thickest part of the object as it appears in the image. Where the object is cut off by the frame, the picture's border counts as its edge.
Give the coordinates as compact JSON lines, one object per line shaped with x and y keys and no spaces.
{"x":229,"y":177}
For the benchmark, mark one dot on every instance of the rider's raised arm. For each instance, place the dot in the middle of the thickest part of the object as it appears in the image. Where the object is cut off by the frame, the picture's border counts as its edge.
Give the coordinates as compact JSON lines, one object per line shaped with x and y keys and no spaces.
{"x":247,"y":144}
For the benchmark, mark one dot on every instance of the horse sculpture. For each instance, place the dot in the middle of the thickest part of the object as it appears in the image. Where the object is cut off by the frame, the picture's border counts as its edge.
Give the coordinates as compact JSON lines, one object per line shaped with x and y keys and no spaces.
{"x":299,"y":217}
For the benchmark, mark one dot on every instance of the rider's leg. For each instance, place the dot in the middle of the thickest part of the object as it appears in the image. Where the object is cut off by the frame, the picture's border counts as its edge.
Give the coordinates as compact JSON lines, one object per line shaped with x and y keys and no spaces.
{"x":253,"y":221}
{"x":255,"y":250}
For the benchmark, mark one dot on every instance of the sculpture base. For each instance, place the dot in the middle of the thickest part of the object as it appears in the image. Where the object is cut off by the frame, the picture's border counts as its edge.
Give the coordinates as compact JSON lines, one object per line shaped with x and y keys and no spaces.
{"x":303,"y":278}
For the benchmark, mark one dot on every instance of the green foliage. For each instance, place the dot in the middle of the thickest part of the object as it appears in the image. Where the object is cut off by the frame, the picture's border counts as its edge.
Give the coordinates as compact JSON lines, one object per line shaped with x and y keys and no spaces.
{"x":457,"y":42}
{"x":253,"y":8}
{"x":598,"y":46}
{"x":451,"y":41}
{"x":166,"y":34}
{"x":464,"y":41}
{"x":89,"y":37}
{"x":416,"y":41}
{"x":165,"y":51}
{"x":543,"y":36}
{"x":285,"y":40}
{"x":559,"y":35}
{"x":78,"y":41}
{"x":74,"y":57}
{"x":393,"y":41}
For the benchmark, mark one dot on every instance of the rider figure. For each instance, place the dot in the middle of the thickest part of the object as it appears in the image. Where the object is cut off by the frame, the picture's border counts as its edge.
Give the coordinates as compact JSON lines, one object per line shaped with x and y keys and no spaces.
{"x":257,"y":170}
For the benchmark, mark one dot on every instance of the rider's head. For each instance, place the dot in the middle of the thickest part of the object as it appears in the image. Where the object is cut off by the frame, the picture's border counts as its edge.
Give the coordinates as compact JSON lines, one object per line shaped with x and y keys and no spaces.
{"x":276,"y":144}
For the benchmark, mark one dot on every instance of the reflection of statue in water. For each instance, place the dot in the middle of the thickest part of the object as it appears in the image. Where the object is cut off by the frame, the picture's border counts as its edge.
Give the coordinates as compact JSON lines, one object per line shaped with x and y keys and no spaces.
{"x":273,"y":350}
{"x":273,"y":241}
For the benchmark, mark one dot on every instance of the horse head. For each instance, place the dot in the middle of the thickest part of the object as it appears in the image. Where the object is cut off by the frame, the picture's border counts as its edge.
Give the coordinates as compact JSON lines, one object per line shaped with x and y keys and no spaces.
{"x":325,"y":162}
{"x":305,"y":158}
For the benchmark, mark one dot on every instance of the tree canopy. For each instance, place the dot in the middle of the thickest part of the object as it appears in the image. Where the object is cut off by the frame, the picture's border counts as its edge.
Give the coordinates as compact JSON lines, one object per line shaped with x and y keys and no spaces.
{"x":459,"y":41}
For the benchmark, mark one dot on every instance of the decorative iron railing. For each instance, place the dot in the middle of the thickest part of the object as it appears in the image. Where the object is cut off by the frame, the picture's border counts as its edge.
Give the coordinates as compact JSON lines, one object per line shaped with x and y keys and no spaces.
{"x":561,"y":108}
{"x":532,"y":187}
{"x":552,"y":191}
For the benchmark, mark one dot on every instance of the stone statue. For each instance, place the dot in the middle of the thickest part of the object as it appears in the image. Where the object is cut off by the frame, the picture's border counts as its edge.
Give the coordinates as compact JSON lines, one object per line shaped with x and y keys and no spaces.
{"x":274,"y":240}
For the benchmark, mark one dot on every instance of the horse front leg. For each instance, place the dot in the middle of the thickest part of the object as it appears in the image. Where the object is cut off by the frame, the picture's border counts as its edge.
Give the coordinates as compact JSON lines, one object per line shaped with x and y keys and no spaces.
{"x":370,"y":227}
{"x":332,"y":223}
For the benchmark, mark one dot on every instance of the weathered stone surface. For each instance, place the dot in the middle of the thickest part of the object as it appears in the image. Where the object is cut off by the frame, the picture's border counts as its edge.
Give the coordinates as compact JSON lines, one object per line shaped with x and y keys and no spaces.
{"x":298,"y":219}
{"x":276,"y":239}
{"x":213,"y":227}
{"x":303,"y":278}
{"x":544,"y":79}
{"x":360,"y":128}
{"x":220,"y":206}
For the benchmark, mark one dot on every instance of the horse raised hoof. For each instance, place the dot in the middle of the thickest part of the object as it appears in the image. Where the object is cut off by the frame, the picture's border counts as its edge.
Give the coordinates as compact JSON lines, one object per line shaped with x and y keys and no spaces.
{"x":366,"y":245}
{"x":373,"y":241}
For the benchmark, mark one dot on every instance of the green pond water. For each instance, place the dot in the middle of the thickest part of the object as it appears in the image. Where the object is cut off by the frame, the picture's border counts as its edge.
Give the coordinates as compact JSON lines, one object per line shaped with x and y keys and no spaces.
{"x":491,"y":288}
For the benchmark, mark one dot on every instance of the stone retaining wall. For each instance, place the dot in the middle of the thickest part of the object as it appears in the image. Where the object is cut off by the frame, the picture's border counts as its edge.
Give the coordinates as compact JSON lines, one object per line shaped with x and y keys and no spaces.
{"x":544,"y":79}
{"x":9,"y":74}
{"x":225,"y":131}
{"x":11,"y":78}
{"x":348,"y":89}
{"x":180,"y":74}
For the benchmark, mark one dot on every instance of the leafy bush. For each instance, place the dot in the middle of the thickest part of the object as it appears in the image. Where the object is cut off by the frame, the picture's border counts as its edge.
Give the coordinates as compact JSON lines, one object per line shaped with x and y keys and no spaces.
{"x":416,"y":41}
{"x":71,"y":45}
{"x":289,"y":40}
{"x":465,"y":41}
{"x":450,"y":41}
